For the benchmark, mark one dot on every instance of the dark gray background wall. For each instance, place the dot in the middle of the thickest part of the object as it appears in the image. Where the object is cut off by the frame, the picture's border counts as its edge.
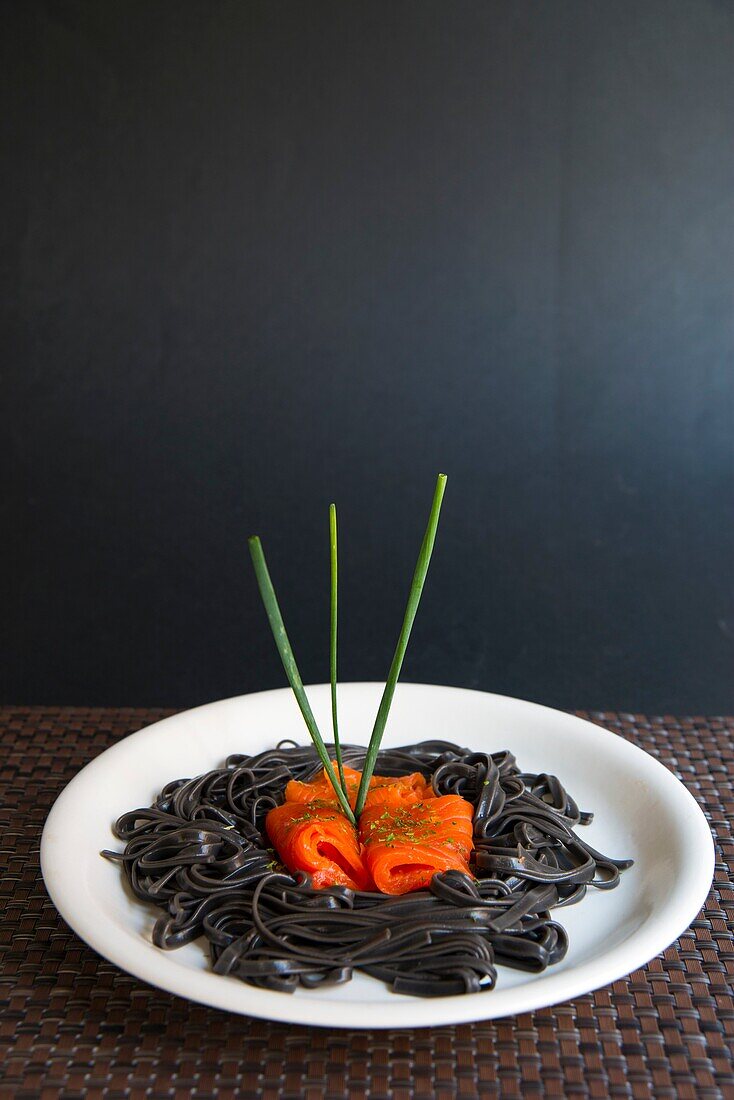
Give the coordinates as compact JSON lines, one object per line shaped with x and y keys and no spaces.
{"x":257,"y":256}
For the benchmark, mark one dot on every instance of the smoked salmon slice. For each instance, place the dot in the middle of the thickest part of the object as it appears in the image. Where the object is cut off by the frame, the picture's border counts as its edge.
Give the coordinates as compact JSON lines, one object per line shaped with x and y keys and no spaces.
{"x":320,"y":788}
{"x":397,"y":790}
{"x":405,"y":835}
{"x":402,"y":790}
{"x":403,"y":847}
{"x":316,"y":837}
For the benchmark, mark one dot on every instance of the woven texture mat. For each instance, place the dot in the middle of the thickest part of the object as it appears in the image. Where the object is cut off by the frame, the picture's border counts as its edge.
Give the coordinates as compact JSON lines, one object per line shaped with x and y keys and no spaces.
{"x":73,"y":1025}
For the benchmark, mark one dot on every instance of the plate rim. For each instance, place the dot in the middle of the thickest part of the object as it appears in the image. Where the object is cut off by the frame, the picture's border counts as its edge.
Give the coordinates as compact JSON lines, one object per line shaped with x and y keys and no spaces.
{"x":547,"y":989}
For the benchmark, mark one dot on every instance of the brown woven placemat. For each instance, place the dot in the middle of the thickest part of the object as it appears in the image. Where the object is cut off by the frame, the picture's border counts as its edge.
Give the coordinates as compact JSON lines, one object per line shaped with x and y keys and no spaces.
{"x":74,"y":1025}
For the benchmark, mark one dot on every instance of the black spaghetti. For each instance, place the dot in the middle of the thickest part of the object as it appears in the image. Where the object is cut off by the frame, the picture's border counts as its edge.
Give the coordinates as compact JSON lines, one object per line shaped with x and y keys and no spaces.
{"x":201,"y":854}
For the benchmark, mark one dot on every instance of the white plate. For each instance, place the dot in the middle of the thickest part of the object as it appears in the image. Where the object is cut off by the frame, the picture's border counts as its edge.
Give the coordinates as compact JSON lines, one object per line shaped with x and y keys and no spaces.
{"x":641,"y":810}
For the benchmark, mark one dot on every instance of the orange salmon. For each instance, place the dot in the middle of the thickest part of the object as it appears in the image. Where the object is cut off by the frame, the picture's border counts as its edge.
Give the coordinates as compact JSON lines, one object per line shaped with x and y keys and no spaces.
{"x":405,"y":846}
{"x":316,"y":837}
{"x":394,"y":790}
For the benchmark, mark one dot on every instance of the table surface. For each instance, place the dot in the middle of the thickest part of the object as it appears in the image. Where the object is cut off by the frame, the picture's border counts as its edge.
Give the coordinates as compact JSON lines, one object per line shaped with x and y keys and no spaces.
{"x":73,"y":1025}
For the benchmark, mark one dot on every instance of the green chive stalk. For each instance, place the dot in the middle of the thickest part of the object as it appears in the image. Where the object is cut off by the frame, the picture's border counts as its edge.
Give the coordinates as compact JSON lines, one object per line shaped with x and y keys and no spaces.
{"x":332,"y":642}
{"x":277,"y":626}
{"x":416,"y":590}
